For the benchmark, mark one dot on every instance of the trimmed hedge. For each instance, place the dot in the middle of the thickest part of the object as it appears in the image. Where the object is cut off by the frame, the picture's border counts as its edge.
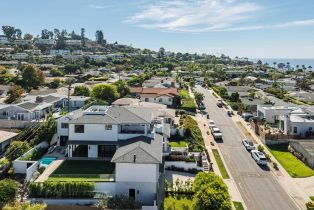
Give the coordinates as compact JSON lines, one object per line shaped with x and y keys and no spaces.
{"x":61,"y":190}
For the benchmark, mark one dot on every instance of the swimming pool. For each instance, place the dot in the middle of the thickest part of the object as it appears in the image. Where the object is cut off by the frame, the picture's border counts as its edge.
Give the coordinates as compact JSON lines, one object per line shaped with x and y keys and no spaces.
{"x":46,"y":161}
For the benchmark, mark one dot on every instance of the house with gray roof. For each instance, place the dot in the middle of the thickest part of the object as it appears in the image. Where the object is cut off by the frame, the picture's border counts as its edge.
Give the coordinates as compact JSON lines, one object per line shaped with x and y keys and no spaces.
{"x":133,"y":138}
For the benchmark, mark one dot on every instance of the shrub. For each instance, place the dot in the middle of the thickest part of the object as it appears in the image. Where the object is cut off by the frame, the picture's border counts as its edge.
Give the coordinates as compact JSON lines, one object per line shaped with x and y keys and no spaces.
{"x":25,"y":206}
{"x":61,"y":190}
{"x":310,"y":205}
{"x":8,"y":190}
{"x":118,"y":202}
{"x":275,"y":165}
{"x":260,"y":148}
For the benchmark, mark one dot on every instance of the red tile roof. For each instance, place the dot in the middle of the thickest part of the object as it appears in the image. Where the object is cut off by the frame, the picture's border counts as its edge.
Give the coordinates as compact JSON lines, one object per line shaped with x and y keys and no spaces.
{"x":156,"y":92}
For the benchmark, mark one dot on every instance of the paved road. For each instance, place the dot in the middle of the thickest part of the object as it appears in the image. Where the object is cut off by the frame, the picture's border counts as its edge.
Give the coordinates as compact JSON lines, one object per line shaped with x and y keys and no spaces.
{"x":257,"y":185}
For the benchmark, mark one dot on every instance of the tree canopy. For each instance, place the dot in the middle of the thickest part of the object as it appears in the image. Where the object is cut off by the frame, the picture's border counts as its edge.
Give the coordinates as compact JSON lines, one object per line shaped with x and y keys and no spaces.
{"x":81,"y":90}
{"x":16,"y":149}
{"x":105,"y":92}
{"x":9,"y":189}
{"x":32,"y":77}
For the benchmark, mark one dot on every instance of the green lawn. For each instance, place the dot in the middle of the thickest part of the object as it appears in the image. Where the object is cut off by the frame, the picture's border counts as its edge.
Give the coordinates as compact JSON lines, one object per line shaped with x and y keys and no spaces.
{"x":220,"y":164}
{"x":178,"y":144}
{"x":312,"y":198}
{"x":184,"y":93}
{"x":238,"y":205}
{"x":83,"y":170}
{"x":295,"y":167}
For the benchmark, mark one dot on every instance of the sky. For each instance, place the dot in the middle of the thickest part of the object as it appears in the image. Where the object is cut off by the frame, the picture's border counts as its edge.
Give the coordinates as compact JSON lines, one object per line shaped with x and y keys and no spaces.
{"x":243,"y":28}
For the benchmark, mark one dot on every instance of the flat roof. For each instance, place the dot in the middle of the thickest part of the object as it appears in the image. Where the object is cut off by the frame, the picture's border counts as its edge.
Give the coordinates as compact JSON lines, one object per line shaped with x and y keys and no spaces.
{"x":5,"y":135}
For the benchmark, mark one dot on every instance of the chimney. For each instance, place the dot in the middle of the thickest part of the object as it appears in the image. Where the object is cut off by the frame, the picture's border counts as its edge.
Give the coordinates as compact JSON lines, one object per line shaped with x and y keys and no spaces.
{"x":134,"y":158}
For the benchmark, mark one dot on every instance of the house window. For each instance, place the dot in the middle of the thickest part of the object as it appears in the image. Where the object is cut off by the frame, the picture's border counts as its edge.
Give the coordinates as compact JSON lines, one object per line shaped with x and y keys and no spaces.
{"x":170,"y":99}
{"x":64,"y":125}
{"x":295,"y":129}
{"x":108,"y":127}
{"x":79,"y":129}
{"x":160,"y":100}
{"x":5,"y":113}
{"x":146,"y":99}
{"x":310,"y":128}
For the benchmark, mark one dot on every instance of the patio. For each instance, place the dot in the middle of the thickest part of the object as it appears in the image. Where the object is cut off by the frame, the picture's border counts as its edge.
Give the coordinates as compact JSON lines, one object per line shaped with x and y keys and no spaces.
{"x":84,"y":170}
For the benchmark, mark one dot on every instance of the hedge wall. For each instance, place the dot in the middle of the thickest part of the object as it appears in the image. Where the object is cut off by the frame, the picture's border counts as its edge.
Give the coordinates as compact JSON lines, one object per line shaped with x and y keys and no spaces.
{"x":62,"y":190}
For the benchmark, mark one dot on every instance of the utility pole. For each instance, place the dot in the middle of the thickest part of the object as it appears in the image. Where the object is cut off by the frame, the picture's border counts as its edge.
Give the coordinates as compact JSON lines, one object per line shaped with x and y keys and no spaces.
{"x":69,"y":90}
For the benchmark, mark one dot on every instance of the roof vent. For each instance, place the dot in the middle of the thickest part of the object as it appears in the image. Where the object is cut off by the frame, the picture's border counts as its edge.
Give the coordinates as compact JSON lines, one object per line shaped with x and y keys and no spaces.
{"x":134,"y":158}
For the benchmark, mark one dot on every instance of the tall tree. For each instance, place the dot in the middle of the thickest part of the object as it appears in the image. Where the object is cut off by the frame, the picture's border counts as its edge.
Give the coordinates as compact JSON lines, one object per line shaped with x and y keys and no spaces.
{"x":8,"y":32}
{"x":99,"y":37}
{"x":32,"y":77}
{"x":83,"y":36}
{"x":14,"y":93}
{"x":28,"y":36}
{"x":45,"y":34}
{"x":18,"y":33}
{"x":105,"y":92}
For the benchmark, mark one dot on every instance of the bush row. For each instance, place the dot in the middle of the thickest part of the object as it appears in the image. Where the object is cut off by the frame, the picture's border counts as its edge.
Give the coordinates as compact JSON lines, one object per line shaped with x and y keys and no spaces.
{"x":62,"y":190}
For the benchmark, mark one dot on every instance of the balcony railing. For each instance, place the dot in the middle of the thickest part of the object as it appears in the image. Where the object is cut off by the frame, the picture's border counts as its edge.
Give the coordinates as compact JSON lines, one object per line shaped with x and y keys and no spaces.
{"x":132,"y":132}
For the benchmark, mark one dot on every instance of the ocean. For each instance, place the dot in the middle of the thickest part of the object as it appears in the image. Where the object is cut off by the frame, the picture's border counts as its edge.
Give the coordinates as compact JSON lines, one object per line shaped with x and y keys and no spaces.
{"x":293,"y":62}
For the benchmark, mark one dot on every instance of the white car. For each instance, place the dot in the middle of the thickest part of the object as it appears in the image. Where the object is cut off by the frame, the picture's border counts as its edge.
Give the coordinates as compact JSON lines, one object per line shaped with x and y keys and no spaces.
{"x":211,"y":124}
{"x":216,"y":133}
{"x":259,"y":157}
{"x":248,"y":145}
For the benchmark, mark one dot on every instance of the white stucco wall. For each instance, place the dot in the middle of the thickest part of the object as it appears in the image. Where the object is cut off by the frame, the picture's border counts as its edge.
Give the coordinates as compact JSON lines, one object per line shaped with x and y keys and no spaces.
{"x":302,"y":127}
{"x":165,"y":100}
{"x":134,"y":172}
{"x":105,"y":187}
{"x":94,"y":132}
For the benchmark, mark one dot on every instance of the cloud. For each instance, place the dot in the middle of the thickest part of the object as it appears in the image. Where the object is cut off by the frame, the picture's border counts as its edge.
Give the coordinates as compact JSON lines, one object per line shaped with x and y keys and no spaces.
{"x":204,"y":15}
{"x":94,"y":6}
{"x":295,"y":23}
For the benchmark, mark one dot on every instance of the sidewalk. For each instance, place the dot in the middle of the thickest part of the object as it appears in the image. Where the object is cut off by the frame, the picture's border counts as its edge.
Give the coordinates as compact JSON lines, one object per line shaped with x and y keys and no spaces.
{"x":208,"y":140}
{"x":297,"y":189}
{"x":49,"y":170}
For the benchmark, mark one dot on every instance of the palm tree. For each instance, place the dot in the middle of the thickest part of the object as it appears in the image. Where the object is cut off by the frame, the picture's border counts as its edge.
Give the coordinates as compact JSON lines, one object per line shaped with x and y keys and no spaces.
{"x":288,"y":66}
{"x":275,"y":63}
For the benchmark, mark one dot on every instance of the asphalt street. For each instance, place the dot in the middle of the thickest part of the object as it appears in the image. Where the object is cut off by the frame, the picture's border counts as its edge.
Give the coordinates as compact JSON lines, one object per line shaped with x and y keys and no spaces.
{"x":257,"y":185}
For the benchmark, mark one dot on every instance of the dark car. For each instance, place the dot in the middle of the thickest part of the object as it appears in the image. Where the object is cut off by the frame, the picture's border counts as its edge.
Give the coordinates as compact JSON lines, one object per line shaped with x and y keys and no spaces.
{"x":230,"y":113}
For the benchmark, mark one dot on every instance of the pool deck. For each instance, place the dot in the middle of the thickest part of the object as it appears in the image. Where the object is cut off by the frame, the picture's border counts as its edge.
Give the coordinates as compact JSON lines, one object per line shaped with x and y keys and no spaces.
{"x":49,"y":170}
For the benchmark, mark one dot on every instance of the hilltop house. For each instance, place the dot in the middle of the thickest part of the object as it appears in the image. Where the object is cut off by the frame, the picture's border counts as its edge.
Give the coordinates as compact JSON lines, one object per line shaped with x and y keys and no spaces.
{"x":166,"y":96}
{"x":159,"y":82}
{"x":133,"y":138}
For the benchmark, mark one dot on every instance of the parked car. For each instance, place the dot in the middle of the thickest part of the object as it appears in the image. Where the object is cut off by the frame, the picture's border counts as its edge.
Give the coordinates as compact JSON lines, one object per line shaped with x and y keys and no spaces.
{"x":259,"y":157}
{"x":230,"y":113}
{"x":248,"y":145}
{"x":211,"y":124}
{"x":216,"y":133}
{"x":201,"y":106}
{"x":247,"y":116}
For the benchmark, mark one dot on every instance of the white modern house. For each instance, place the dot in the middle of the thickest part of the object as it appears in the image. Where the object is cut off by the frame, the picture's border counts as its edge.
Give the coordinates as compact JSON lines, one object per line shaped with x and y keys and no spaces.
{"x":301,"y":124}
{"x":133,"y":138}
{"x":271,"y":113}
{"x":73,"y":42}
{"x":4,"y":40}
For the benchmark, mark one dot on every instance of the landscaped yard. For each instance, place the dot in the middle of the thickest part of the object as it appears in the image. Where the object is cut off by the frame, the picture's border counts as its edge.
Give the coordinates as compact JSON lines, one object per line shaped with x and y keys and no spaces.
{"x":220,"y":164}
{"x":295,"y":167}
{"x":184,"y":93}
{"x":174,"y":203}
{"x":178,"y":144}
{"x":312,"y":198}
{"x":83,"y":170}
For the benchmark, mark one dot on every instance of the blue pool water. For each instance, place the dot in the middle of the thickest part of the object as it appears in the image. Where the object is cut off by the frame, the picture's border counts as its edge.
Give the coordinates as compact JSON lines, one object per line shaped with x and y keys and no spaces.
{"x":46,"y":161}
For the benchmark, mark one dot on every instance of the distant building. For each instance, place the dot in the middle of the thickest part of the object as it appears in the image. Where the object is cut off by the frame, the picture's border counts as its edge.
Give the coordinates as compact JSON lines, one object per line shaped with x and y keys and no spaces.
{"x":40,"y":41}
{"x":73,"y":42}
{"x":4,"y":40}
{"x":59,"y":52}
{"x":22,"y":42}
